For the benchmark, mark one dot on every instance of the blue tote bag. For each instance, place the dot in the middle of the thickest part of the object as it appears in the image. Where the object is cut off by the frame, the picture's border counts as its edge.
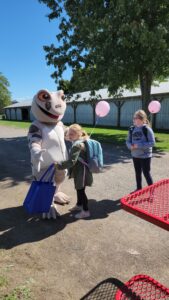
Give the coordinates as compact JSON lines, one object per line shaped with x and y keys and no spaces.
{"x":40,"y":194}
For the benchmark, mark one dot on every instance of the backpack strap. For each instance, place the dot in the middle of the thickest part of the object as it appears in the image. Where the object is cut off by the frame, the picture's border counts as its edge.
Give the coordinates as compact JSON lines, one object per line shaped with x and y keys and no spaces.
{"x":145,"y":131}
{"x":130,"y":133}
{"x":100,"y":154}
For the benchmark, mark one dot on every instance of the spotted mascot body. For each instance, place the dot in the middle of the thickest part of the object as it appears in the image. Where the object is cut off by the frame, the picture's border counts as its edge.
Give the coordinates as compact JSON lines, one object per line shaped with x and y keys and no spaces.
{"x":46,"y":140}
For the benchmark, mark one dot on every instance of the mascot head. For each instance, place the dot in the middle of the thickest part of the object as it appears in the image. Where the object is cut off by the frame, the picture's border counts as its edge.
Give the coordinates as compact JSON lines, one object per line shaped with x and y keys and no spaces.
{"x":48,"y":107}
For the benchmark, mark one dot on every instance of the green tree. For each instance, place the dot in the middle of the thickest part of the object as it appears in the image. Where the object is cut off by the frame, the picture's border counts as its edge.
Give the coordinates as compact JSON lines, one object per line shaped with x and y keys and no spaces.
{"x":65,"y":86}
{"x":122,"y":43}
{"x":5,"y":96}
{"x":81,"y":81}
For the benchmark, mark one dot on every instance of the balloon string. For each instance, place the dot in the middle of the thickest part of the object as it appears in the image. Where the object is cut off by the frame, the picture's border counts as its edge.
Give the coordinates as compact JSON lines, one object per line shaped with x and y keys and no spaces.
{"x":94,"y":127}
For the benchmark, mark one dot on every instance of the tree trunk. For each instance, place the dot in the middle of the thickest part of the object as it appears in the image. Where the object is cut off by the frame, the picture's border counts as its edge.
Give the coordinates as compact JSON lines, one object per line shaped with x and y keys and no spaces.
{"x":145,"y":85}
{"x":74,"y":105}
{"x":94,"y":114}
{"x":75,"y":113}
{"x":119,"y":104}
{"x":93,"y":105}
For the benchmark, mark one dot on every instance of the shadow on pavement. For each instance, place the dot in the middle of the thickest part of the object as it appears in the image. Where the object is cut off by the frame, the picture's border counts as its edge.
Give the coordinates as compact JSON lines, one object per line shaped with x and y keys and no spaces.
{"x":15,"y":160}
{"x":18,"y":228}
{"x":101,"y":209}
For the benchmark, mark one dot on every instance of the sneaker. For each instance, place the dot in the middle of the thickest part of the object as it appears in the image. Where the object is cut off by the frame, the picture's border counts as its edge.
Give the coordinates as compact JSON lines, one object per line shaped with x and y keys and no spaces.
{"x":83,"y":214}
{"x":76,"y":208}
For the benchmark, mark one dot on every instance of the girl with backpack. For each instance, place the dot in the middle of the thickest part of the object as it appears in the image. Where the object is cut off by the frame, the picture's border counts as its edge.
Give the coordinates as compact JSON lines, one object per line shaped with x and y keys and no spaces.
{"x":77,"y":170}
{"x":140,"y":141}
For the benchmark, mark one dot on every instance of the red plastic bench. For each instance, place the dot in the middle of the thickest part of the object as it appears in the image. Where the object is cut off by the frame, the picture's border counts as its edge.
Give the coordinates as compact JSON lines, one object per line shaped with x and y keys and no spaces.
{"x":142,"y":287}
{"x":150,"y":203}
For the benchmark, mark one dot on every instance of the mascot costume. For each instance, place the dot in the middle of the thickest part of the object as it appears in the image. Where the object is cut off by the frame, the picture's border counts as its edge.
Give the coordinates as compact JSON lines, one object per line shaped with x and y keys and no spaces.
{"x":46,"y":141}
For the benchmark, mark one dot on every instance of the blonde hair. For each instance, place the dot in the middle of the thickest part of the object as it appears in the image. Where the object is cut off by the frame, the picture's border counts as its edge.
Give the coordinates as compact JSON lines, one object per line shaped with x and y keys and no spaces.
{"x":78,"y":129}
{"x":140,"y":114}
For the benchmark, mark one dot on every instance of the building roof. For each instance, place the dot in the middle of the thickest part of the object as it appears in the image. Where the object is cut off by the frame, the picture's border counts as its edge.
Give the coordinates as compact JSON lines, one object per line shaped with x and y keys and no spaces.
{"x":25,"y":103}
{"x":161,"y":88}
{"x":158,"y":89}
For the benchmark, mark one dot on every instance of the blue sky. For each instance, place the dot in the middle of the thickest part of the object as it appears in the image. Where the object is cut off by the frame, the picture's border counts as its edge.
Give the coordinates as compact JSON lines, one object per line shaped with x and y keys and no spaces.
{"x":24,"y":29}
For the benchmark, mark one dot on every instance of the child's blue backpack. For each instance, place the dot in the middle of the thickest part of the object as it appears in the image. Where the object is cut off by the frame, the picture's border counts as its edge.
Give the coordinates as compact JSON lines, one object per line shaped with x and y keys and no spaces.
{"x":94,"y":156}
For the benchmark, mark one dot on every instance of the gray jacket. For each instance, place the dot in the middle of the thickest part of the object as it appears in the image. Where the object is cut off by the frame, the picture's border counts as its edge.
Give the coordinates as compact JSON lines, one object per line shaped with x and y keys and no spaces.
{"x":144,"y":144}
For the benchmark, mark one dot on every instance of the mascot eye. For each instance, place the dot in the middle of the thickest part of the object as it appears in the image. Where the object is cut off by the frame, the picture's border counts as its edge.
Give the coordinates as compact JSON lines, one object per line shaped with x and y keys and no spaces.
{"x":43,"y":96}
{"x":63,"y":97}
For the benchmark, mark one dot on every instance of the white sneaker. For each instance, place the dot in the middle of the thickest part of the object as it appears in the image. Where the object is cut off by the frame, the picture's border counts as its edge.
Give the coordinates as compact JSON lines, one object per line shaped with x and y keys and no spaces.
{"x":76,"y":208}
{"x":83,"y":214}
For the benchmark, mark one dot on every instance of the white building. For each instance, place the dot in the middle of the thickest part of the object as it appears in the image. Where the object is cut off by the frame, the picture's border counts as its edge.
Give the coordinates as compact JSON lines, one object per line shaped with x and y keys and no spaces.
{"x":81,"y":108}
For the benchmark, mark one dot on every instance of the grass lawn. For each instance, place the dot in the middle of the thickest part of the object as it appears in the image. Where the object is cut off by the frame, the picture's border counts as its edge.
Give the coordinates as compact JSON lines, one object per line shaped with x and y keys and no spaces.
{"x":118,"y":137}
{"x":15,"y":124}
{"x":114,"y":136}
{"x":21,"y":292}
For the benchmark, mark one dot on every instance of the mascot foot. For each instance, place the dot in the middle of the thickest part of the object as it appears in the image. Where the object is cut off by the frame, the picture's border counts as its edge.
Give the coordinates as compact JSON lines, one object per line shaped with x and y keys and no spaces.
{"x":61,"y":198}
{"x":52,"y":214}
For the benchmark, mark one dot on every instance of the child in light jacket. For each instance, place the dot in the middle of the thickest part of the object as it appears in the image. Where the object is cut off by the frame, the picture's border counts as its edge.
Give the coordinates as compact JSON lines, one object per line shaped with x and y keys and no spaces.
{"x":140,"y":141}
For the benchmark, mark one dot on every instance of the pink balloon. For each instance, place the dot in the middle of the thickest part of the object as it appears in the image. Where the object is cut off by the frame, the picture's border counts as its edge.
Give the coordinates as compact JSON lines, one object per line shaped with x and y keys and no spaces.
{"x":102,"y":108}
{"x":154,"y":107}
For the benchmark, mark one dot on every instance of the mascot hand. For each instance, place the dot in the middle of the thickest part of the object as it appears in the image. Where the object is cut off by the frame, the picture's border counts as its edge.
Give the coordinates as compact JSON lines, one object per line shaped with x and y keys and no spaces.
{"x":38,"y":154}
{"x":37,"y":157}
